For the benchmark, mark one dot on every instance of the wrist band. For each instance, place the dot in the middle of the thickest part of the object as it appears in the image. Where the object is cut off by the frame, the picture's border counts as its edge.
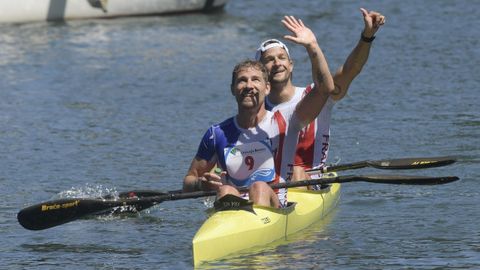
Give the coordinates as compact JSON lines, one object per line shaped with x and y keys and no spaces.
{"x":366,"y":39}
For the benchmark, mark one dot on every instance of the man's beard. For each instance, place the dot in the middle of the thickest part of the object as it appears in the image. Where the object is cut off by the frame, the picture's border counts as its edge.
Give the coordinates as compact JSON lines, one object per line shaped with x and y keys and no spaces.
{"x":280,"y":81}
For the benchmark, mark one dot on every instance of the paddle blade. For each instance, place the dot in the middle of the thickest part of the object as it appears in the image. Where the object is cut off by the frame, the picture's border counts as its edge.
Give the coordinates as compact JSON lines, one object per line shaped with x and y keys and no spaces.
{"x":407,"y":179}
{"x":411,"y":163}
{"x":53,"y":213}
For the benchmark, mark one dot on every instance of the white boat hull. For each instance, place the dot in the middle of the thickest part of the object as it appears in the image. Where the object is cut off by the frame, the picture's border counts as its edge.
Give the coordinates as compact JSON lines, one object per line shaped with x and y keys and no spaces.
{"x":51,"y":10}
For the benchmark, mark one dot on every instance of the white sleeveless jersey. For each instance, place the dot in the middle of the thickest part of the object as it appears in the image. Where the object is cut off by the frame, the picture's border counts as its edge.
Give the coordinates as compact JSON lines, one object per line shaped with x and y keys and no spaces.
{"x":263,"y":153}
{"x":313,"y":140}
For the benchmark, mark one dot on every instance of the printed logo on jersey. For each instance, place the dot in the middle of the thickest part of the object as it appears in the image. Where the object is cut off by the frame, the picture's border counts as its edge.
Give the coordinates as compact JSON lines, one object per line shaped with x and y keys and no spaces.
{"x":250,"y":162}
{"x":233,"y":151}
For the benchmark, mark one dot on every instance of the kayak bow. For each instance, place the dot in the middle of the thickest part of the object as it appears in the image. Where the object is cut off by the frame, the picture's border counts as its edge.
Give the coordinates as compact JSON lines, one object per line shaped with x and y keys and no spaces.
{"x":229,"y":231}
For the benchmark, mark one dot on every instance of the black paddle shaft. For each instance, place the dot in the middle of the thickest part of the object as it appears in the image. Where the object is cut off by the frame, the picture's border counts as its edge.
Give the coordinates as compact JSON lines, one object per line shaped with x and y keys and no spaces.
{"x":390,"y":164}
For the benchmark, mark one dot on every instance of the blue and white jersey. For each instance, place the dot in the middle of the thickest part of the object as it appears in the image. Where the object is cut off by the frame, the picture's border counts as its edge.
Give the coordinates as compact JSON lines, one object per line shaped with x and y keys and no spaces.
{"x":262,"y":153}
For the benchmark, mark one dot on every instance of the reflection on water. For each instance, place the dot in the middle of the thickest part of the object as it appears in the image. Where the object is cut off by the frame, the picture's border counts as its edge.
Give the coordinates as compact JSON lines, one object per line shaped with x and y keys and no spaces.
{"x":92,"y":107}
{"x":62,"y":248}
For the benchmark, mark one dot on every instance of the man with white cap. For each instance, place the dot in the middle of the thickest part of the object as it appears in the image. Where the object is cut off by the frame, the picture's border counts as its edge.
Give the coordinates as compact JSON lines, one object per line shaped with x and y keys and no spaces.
{"x":313,"y":141}
{"x":255,"y":147}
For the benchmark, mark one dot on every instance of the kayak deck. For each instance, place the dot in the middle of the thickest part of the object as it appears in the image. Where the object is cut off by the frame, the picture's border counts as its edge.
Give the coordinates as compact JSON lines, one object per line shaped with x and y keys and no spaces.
{"x":229,"y":231}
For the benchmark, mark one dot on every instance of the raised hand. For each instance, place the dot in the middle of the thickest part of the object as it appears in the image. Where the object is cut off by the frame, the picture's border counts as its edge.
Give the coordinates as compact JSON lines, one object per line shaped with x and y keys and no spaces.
{"x":373,"y":20}
{"x":301,"y":34}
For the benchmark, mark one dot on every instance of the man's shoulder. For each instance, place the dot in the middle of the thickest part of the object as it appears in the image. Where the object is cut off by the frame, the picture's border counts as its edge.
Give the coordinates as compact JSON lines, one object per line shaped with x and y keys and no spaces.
{"x":297,"y":96}
{"x":227,"y":122}
{"x":228,"y":126}
{"x":300,"y":92}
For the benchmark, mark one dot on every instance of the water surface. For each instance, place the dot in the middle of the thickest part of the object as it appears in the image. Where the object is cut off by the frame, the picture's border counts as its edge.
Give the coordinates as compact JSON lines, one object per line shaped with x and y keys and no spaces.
{"x":102,"y":106}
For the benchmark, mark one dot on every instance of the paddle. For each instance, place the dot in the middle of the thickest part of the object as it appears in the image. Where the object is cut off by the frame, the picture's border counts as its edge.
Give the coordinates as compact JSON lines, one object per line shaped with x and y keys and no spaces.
{"x":389,"y":164}
{"x":53,"y":213}
{"x":386,"y":164}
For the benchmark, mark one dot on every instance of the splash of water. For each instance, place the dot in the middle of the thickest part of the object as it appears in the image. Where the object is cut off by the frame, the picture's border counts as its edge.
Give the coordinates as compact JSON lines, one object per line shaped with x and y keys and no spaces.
{"x":89,"y":191}
{"x":99,"y":192}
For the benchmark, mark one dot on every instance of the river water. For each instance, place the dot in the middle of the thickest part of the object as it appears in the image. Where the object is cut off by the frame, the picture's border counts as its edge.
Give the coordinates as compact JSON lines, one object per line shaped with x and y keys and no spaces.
{"x":99,"y":106}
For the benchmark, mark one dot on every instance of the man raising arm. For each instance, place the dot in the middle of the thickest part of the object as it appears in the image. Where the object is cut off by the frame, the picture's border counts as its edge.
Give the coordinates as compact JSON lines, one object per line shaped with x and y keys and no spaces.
{"x":313,"y":144}
{"x":256,"y":146}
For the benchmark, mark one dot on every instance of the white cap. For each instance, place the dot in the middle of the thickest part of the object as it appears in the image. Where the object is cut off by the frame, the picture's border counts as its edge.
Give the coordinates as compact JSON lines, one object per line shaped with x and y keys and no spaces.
{"x":268,"y":44}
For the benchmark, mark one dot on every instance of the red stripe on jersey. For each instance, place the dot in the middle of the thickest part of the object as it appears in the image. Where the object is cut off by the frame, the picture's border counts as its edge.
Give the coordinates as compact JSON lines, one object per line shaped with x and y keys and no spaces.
{"x":282,"y":128}
{"x":307,"y":90}
{"x":306,"y":142}
{"x":305,"y":146}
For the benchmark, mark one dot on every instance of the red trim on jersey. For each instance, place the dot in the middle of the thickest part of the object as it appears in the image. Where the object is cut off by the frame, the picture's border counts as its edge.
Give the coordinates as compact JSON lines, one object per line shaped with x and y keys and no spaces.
{"x":305,"y":146}
{"x":282,"y":128}
{"x":306,"y":143}
{"x":307,"y":90}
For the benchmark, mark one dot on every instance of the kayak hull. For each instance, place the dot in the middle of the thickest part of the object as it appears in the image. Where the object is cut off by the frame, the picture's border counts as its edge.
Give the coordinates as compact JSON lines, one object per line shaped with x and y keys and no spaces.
{"x":230,"y":231}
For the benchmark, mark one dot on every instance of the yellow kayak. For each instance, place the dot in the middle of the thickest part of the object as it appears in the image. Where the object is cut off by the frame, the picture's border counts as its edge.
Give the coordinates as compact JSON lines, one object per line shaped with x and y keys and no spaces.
{"x":229,"y":231}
